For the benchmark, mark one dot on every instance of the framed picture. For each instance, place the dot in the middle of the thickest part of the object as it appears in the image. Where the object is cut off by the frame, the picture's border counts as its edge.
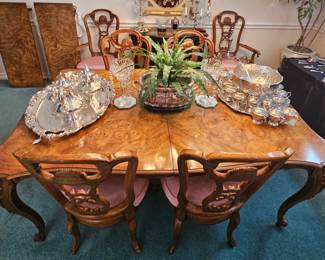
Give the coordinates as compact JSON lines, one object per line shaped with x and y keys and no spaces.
{"x":164,"y":7}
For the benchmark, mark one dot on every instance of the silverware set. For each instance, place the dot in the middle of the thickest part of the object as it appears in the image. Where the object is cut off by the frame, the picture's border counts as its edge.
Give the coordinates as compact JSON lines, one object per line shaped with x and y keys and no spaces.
{"x":312,"y":65}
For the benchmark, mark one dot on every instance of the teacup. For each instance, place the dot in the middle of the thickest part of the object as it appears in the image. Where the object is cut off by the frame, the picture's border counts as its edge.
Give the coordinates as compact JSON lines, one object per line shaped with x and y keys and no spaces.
{"x":280,"y":101}
{"x":282,"y":93}
{"x":252,"y":103}
{"x":275,"y":117}
{"x":239,"y":99}
{"x":267,"y":104}
{"x":291,"y":116}
{"x":259,"y":115}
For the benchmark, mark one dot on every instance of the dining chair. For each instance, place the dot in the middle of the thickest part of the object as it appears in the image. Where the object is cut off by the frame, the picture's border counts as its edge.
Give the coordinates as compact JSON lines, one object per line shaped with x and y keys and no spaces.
{"x":195,"y":39}
{"x":89,"y":191}
{"x":228,"y":181}
{"x":102,"y":20}
{"x":231,"y":25}
{"x":123,"y":41}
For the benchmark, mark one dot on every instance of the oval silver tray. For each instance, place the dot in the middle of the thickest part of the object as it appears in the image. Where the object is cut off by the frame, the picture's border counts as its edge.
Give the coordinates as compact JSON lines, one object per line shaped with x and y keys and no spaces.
{"x":260,"y":76}
{"x":43,"y":117}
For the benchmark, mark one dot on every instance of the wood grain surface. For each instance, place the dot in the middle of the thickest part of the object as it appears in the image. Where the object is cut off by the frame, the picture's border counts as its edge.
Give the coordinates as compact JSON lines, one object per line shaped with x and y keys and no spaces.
{"x":17,"y":46}
{"x":159,"y":138}
{"x":58,"y":30}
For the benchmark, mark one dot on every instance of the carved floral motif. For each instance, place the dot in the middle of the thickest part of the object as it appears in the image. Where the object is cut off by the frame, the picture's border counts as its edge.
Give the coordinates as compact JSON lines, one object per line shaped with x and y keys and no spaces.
{"x":228,"y":193}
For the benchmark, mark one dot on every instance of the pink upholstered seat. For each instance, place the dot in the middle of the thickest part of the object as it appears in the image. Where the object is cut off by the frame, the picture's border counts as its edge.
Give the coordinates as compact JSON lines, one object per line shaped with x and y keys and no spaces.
{"x":198,"y":188}
{"x":94,"y":62}
{"x":113,"y":189}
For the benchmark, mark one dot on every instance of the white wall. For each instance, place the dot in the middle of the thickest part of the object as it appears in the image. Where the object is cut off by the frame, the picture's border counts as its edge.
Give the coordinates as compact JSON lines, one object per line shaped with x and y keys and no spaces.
{"x":319,"y":45}
{"x":270,"y":24}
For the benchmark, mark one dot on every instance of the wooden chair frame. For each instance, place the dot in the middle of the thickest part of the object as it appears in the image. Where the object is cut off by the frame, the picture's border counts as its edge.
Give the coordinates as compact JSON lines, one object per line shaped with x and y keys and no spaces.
{"x":180,"y":35}
{"x":251,"y":171}
{"x":63,"y":171}
{"x":103,"y":20}
{"x":126,"y":44}
{"x":224,"y":19}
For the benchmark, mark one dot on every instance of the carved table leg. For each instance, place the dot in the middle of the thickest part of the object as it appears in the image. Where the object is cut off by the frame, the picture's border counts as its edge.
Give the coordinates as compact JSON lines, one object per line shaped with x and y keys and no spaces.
{"x":10,"y":200}
{"x":315,"y":183}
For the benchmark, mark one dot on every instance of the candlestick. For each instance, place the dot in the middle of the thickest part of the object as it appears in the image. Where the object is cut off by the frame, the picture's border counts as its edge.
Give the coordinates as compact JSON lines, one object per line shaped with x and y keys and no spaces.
{"x":197,"y":12}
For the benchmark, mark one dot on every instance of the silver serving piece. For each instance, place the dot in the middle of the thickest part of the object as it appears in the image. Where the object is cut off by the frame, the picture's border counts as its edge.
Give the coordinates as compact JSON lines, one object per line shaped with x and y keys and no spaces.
{"x":256,"y":90}
{"x":257,"y":77}
{"x":75,"y":100}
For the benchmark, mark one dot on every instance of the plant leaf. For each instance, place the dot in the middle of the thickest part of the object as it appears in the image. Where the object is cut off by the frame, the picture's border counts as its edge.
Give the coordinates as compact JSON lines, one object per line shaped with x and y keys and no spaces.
{"x":166,"y":74}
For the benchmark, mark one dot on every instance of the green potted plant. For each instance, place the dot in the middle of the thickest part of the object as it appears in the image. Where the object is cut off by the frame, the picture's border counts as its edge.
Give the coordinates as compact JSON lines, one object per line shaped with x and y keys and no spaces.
{"x":310,"y":22}
{"x":168,"y":85}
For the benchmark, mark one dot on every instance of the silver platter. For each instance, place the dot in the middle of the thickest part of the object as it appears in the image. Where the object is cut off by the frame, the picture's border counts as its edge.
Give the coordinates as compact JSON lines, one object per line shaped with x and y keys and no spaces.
{"x":74,"y":101}
{"x":251,"y":79}
{"x":255,"y":90}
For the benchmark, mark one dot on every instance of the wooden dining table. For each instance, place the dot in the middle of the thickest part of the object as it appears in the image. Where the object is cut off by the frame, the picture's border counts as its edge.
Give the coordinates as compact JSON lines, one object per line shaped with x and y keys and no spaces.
{"x":158,"y":138}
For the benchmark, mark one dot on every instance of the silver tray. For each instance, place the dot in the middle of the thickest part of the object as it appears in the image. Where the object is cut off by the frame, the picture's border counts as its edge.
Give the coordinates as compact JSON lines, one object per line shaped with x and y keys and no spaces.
{"x":45,"y":116}
{"x":253,"y":78}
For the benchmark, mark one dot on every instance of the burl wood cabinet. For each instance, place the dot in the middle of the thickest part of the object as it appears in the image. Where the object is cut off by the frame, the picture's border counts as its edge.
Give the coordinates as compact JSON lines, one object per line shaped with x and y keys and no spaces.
{"x":17,"y":46}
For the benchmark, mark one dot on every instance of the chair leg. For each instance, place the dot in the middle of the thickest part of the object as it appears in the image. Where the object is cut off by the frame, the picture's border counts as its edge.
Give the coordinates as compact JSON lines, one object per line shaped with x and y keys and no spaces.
{"x":73,"y":228}
{"x":179,"y":219}
{"x":233,"y":223}
{"x":132,"y":225}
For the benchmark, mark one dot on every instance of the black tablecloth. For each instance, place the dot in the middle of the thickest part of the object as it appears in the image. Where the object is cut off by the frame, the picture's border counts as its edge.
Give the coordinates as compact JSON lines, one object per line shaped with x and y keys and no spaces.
{"x":307,"y":92}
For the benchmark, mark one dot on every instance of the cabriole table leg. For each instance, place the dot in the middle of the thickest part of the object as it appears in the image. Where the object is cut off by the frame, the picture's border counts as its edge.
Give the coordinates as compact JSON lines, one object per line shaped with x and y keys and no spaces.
{"x":10,"y":200}
{"x":315,"y":184}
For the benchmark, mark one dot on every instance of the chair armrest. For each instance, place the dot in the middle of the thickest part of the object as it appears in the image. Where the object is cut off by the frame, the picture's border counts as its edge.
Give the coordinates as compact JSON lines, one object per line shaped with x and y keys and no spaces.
{"x":254,"y":51}
{"x":77,"y":52}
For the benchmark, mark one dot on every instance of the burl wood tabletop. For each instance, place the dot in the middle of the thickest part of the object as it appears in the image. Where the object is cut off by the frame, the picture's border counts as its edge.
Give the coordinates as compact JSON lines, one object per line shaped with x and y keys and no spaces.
{"x":158,"y":138}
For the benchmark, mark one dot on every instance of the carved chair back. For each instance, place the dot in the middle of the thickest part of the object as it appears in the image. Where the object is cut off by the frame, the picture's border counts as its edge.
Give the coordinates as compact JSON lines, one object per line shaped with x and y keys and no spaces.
{"x":192,"y":38}
{"x":74,"y":180}
{"x":236,"y":176}
{"x":123,"y":41}
{"x":231,"y":26}
{"x":102,"y":20}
